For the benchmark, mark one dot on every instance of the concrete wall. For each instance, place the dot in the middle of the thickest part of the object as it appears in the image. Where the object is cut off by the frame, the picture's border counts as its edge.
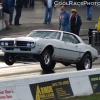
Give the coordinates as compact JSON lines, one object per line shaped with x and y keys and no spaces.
{"x":20,"y":88}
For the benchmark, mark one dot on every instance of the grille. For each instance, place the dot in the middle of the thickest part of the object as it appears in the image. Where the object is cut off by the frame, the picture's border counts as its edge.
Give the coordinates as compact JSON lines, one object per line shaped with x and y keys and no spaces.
{"x":21,"y":43}
{"x":9,"y":48}
{"x":10,"y":43}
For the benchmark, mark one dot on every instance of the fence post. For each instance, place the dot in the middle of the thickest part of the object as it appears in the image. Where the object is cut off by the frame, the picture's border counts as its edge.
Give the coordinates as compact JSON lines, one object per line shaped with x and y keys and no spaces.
{"x":93,"y":38}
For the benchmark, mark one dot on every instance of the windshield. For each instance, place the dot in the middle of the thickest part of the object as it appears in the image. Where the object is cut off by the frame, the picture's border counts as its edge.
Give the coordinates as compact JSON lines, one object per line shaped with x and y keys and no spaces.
{"x":45,"y":34}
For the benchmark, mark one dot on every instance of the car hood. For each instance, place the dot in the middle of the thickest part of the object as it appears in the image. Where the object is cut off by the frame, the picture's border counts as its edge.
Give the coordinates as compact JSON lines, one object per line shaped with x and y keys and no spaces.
{"x":7,"y":39}
{"x":26,"y":39}
{"x":21,"y":39}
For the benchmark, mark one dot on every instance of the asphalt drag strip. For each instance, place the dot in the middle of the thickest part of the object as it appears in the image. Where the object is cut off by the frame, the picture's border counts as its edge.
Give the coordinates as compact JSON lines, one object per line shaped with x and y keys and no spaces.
{"x":19,"y":70}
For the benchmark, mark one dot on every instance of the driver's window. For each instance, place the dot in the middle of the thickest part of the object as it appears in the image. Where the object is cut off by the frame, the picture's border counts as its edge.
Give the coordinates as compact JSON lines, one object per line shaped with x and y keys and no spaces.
{"x":55,"y":35}
{"x":70,"y":38}
{"x":73,"y":39}
{"x":65,"y":37}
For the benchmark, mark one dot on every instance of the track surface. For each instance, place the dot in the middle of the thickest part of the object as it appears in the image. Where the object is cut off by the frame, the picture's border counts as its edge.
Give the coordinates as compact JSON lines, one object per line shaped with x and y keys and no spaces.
{"x":25,"y":69}
{"x":29,"y":23}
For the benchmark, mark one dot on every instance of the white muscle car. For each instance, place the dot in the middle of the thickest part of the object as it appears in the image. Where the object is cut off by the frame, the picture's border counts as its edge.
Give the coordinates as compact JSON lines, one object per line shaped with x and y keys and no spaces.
{"x":49,"y":47}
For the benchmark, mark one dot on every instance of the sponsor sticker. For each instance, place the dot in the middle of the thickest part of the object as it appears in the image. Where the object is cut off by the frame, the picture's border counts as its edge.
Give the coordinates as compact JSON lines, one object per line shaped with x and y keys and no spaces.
{"x":8,"y":93}
{"x":51,"y":90}
{"x":95,"y":82}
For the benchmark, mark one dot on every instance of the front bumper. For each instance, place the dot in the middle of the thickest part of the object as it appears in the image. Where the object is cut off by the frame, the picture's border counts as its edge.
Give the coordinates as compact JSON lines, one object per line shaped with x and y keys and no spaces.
{"x":19,"y":50}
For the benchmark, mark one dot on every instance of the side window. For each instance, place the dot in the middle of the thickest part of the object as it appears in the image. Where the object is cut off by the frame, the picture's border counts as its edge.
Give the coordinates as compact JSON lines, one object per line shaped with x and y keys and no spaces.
{"x":65,"y":37}
{"x":70,"y":38}
{"x":55,"y":35}
{"x":58,"y":35}
{"x":73,"y":39}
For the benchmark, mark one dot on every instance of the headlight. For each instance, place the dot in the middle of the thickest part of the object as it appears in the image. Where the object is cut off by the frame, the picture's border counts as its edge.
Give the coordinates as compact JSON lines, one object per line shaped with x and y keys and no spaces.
{"x":6,"y":43}
{"x":32,"y":44}
{"x":28,"y":44}
{"x":2,"y":43}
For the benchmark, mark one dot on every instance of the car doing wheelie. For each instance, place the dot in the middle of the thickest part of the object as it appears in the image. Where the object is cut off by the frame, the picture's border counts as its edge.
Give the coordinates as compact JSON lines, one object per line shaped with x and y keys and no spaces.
{"x":49,"y":47}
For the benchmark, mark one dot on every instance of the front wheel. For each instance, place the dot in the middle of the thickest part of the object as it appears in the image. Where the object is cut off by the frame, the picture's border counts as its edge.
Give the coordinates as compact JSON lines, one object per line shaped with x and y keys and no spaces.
{"x":85,"y":63}
{"x":46,"y":61}
{"x":9,"y":59}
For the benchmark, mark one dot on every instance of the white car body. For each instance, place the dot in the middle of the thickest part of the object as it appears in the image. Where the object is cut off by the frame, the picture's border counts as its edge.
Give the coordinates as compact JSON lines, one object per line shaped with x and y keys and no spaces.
{"x":64,"y":51}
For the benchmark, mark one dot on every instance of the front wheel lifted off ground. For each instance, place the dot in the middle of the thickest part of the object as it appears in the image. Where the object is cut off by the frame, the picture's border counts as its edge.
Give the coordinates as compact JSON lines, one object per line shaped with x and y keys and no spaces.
{"x":9,"y":59}
{"x":46,"y":61}
{"x":85,"y":63}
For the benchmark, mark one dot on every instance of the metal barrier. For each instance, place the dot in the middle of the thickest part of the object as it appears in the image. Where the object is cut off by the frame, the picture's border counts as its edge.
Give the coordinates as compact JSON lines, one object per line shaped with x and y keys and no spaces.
{"x":90,"y":35}
{"x":97,"y":41}
{"x":0,"y":13}
{"x":94,"y":38}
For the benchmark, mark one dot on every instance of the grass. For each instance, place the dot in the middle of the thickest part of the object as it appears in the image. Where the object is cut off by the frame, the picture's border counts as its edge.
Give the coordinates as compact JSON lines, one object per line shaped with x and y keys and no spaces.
{"x":90,"y":97}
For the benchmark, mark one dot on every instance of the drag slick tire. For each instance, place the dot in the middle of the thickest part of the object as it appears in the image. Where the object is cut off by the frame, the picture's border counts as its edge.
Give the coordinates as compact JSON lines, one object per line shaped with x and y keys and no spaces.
{"x":85,"y":63}
{"x":9,"y":59}
{"x":46,"y":61}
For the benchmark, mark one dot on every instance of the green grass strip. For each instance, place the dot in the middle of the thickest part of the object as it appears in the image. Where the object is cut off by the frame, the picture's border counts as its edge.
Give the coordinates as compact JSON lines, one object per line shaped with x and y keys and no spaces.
{"x":90,"y":97}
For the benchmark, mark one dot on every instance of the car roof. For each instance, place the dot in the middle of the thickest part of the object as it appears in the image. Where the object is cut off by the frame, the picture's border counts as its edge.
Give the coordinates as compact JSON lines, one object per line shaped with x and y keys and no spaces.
{"x":53,"y":30}
{"x":47,"y":30}
{"x":60,"y":31}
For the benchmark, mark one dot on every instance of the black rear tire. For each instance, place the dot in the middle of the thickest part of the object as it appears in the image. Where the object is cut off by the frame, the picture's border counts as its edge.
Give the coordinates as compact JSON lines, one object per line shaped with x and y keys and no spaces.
{"x":85,"y":63}
{"x":9,"y":58}
{"x":46,"y":62}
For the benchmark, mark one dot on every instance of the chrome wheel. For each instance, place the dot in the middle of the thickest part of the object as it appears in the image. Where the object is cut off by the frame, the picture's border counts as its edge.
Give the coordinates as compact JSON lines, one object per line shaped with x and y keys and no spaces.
{"x":46,"y":61}
{"x":47,"y":58}
{"x":87,"y":63}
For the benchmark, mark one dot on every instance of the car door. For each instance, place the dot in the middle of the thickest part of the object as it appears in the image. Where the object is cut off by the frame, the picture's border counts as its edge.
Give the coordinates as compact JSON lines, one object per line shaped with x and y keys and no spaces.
{"x":70,"y":49}
{"x":54,"y":40}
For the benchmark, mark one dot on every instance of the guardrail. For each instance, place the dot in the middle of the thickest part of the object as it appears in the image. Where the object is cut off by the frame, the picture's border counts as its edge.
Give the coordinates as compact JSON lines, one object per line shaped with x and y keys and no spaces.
{"x":51,"y":86}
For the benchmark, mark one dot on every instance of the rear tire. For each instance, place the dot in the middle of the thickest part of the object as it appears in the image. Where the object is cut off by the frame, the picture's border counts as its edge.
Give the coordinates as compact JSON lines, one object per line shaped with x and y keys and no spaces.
{"x":46,"y":61}
{"x":9,"y":59}
{"x":85,"y":63}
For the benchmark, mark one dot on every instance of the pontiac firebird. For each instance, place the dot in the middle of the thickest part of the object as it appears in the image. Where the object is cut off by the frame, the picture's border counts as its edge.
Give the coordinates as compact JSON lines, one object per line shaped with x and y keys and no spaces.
{"x":49,"y":47}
